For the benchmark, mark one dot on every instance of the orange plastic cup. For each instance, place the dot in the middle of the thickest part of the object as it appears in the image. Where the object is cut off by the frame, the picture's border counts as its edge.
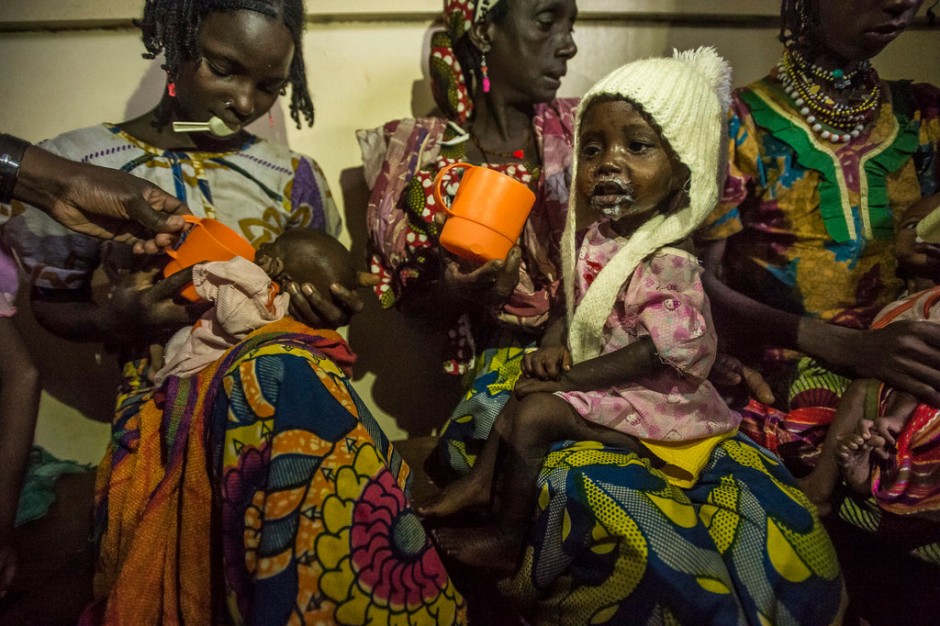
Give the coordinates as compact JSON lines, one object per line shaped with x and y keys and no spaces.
{"x":488,"y":213}
{"x":207,"y":240}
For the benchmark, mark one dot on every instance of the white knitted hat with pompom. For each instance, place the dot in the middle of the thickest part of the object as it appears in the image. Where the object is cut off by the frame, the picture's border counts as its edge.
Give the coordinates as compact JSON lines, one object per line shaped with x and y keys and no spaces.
{"x":687,"y":96}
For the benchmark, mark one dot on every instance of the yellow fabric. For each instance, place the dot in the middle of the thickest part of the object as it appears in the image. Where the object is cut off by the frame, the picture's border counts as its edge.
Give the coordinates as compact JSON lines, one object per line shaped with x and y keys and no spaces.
{"x":685,"y":460}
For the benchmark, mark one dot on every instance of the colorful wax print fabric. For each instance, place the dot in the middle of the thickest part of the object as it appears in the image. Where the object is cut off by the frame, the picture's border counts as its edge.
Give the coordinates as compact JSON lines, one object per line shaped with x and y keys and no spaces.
{"x":810,"y":224}
{"x":262,"y":491}
{"x":614,"y":542}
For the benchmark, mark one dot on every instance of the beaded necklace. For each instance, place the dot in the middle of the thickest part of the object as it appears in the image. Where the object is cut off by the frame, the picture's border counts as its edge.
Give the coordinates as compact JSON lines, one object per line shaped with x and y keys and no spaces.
{"x":835,"y":121}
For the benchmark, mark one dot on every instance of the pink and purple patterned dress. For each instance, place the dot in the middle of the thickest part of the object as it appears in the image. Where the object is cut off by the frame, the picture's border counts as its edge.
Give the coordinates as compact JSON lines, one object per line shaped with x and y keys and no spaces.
{"x":664,"y":299}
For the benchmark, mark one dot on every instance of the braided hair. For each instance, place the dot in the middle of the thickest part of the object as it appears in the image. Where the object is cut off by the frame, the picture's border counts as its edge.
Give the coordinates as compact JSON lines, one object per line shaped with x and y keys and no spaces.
{"x":796,"y":20}
{"x":172,"y":27}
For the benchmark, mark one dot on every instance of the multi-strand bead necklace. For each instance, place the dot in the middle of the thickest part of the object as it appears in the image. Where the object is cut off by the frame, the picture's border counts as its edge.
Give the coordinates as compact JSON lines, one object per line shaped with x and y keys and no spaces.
{"x":807,"y":84}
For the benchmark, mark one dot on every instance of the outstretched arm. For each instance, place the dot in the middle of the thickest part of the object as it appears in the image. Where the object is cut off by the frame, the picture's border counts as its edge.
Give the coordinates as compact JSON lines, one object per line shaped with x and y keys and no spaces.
{"x":905,"y":355}
{"x":96,"y":201}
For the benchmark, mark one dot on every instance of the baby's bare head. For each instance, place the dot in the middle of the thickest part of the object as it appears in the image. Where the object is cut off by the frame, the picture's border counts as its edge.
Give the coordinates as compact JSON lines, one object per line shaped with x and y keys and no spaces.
{"x":308,"y":256}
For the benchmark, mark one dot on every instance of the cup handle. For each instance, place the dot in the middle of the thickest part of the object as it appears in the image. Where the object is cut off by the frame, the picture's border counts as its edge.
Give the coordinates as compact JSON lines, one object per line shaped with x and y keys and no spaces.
{"x":440,"y":177}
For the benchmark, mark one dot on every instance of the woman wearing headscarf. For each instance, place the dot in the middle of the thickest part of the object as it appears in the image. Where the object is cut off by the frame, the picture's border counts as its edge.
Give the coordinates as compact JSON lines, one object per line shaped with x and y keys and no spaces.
{"x":612,"y":541}
{"x":495,"y":69}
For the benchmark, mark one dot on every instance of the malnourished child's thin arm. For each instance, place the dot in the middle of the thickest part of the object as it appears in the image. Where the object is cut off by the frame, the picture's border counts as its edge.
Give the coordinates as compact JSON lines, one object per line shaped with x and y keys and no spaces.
{"x":615,"y":368}
{"x":607,"y":370}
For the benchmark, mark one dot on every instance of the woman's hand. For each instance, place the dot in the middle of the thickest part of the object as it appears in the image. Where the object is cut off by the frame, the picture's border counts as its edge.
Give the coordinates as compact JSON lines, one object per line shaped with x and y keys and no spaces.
{"x":332,"y":310}
{"x":528,"y":386}
{"x":99,"y":201}
{"x":904,"y":355}
{"x":139,"y":304}
{"x":737,"y":382}
{"x":490,"y":284}
{"x":548,"y":363}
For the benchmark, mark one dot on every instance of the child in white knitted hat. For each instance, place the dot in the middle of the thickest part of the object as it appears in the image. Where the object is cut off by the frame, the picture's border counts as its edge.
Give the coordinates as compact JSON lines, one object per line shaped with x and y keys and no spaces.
{"x":640,"y":339}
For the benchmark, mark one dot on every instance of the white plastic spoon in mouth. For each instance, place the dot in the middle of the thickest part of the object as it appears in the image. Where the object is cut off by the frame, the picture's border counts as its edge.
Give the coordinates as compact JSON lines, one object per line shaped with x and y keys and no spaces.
{"x":215,"y":125}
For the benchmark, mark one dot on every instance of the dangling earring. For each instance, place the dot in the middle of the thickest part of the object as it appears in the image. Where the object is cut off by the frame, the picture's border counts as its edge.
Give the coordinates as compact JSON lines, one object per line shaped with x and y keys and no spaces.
{"x":485,"y":73}
{"x":171,"y":89}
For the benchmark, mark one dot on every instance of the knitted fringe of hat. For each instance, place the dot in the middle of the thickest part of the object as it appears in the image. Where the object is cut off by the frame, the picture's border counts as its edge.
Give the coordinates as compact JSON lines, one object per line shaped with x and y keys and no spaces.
{"x":687,"y":96}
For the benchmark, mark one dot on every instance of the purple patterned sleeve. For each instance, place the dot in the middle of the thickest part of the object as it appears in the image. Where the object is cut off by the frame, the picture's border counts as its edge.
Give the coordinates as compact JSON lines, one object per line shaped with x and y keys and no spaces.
{"x":311,"y":200}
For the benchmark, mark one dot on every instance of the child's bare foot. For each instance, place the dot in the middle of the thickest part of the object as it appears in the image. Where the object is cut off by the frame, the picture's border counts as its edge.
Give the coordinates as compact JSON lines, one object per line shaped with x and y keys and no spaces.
{"x":470,"y":490}
{"x":485,"y":547}
{"x":854,"y":458}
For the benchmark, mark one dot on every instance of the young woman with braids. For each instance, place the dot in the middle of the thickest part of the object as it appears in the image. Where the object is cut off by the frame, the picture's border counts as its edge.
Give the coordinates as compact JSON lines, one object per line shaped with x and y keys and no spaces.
{"x":229,"y":59}
{"x":259,"y":490}
{"x":803,"y":250}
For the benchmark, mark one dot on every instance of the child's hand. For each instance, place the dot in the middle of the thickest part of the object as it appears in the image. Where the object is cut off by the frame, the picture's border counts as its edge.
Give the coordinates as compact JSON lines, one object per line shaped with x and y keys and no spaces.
{"x":547,"y":363}
{"x":8,"y":563}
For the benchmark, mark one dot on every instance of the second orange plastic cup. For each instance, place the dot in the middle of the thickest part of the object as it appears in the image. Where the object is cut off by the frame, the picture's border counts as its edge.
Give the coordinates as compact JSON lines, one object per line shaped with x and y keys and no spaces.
{"x":488,"y":213}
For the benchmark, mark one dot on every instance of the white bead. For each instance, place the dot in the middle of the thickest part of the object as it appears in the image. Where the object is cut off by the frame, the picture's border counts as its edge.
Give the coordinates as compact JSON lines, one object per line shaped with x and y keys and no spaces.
{"x":845,"y":138}
{"x":817,"y":128}
{"x":811,"y":119}
{"x":804,"y":111}
{"x":825,"y":134}
{"x":855,"y":133}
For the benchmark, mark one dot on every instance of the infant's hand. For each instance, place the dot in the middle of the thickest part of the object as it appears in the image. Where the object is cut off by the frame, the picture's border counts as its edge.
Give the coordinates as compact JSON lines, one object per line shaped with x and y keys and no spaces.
{"x":547,"y":363}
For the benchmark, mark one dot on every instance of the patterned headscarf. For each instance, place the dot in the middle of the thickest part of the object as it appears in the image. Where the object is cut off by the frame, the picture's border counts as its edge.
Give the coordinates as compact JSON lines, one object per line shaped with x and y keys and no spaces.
{"x":448,"y":83}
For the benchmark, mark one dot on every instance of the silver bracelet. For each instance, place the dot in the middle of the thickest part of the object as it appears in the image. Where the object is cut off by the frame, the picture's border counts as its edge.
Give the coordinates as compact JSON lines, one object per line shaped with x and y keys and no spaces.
{"x":12,"y":150}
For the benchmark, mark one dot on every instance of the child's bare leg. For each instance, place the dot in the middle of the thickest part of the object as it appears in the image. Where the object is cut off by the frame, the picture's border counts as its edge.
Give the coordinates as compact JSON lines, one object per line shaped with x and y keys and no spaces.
{"x":819,"y":484}
{"x":854,"y":457}
{"x":475,"y":487}
{"x":537,"y":421}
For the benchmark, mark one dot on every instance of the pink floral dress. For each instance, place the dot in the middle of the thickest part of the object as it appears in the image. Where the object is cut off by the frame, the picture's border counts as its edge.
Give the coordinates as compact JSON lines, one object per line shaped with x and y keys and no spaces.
{"x":665,"y":300}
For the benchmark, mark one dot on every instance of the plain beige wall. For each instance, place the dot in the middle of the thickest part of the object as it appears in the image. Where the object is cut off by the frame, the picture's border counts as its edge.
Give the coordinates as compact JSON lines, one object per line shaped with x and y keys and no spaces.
{"x":362,"y":73}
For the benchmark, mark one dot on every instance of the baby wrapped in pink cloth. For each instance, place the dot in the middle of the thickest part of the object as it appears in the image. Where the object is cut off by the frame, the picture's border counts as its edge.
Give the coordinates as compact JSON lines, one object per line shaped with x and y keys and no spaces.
{"x":247,"y":295}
